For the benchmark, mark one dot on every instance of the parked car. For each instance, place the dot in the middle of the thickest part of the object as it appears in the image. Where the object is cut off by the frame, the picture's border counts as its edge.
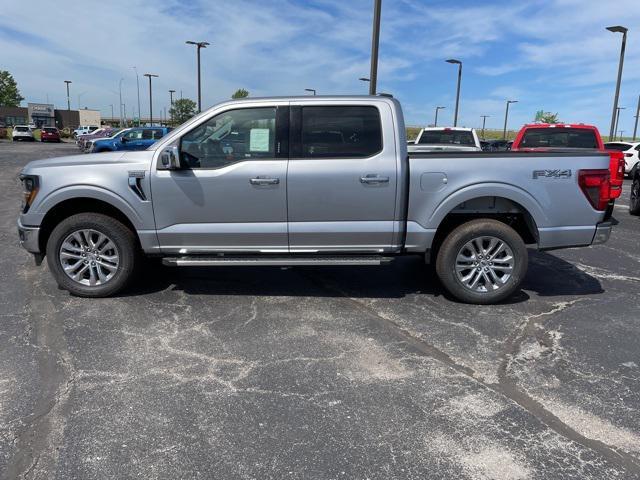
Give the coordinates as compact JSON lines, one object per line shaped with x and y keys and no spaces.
{"x":22,"y":133}
{"x":84,"y":129}
{"x":50,"y":134}
{"x":88,"y":141}
{"x":571,"y":137}
{"x":137,"y":138}
{"x":242,"y":185}
{"x":105,"y":132}
{"x":631,"y":152}
{"x":497,"y":146}
{"x":451,"y":139}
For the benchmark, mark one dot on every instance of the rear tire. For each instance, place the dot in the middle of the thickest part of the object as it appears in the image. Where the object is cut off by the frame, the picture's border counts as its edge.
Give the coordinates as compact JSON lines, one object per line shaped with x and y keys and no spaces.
{"x":482,"y":261}
{"x":634,"y":199}
{"x":66,"y":246}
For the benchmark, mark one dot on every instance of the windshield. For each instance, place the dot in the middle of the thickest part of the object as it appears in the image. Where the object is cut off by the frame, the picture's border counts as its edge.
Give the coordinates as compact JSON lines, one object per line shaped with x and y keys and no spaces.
{"x":620,"y":147}
{"x":447,"y":137}
{"x":559,"y":138}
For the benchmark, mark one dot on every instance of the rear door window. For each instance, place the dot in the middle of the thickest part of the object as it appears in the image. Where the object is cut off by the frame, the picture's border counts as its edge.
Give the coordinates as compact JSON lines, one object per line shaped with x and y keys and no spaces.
{"x":341,"y":132}
{"x":447,"y":137}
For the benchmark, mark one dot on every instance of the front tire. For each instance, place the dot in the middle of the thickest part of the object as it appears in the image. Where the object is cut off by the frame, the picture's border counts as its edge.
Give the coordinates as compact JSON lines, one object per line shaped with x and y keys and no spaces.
{"x":482,"y":262}
{"x":634,"y":199}
{"x":92,"y":255}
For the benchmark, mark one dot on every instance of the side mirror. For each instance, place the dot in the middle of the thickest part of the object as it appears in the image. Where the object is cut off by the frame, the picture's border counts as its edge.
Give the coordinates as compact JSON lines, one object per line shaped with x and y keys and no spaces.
{"x":170,"y":158}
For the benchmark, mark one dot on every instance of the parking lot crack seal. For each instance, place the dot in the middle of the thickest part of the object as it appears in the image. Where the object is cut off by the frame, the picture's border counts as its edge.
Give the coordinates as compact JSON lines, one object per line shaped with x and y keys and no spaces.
{"x":505,"y":385}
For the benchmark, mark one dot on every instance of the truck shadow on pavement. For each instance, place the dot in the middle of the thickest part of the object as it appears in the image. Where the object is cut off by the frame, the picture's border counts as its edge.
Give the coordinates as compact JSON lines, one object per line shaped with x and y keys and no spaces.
{"x":548,"y":276}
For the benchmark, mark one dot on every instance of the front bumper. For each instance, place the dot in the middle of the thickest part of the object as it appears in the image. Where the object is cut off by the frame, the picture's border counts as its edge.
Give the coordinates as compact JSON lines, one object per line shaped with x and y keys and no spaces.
{"x":603,"y":232}
{"x":29,"y":238}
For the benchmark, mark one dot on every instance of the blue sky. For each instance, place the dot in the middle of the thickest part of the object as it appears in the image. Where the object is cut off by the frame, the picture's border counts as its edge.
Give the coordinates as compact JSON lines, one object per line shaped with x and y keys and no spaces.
{"x":551,"y":55}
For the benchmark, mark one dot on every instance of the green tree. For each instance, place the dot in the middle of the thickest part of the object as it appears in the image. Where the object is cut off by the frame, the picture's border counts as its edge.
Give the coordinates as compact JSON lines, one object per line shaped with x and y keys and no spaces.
{"x":182,"y":110}
{"x":546,"y":117}
{"x":240,"y":93}
{"x":9,"y":93}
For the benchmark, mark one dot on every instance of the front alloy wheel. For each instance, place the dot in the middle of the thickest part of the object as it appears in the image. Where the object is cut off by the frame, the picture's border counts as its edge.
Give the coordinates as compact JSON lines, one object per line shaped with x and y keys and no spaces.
{"x":89,"y":257}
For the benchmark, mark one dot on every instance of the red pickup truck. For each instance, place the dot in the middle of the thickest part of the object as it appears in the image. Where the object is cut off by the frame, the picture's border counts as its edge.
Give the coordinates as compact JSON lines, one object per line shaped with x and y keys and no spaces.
{"x":543,"y":136}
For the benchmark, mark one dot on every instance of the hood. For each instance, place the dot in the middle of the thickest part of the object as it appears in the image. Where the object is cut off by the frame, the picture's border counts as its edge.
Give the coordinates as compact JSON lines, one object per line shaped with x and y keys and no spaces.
{"x":75,"y":161}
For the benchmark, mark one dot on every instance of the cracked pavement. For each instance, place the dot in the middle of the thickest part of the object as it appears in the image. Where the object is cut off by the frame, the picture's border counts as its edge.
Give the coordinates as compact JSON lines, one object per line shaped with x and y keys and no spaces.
{"x":321,"y":373}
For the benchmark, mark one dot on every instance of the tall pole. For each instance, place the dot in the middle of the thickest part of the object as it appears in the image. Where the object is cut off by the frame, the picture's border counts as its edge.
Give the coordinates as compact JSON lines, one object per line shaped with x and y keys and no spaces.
{"x":199,"y":45}
{"x":484,"y":120}
{"x":111,"y":111}
{"x":171,"y":92}
{"x":138,"y":86}
{"x":623,"y":30}
{"x":635,"y":126}
{"x":615,"y":127}
{"x":506,"y":116}
{"x":68,"y":99}
{"x":312,"y":90}
{"x":150,"y":75}
{"x":435,"y":122}
{"x":375,"y":43}
{"x":120,"y":90}
{"x":459,"y":63}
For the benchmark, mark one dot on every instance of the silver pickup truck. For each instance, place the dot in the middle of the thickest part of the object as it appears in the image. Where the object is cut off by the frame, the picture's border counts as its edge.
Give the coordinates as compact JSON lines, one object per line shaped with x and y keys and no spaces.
{"x":308,"y":181}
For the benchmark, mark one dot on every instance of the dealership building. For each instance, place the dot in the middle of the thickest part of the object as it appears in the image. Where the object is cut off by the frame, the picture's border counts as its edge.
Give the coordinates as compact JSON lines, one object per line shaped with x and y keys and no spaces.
{"x":46,"y":115}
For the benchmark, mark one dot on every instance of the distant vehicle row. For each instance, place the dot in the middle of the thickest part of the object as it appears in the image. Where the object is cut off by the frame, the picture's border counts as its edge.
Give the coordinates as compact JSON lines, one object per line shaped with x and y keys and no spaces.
{"x":25,"y":133}
{"x":109,"y":140}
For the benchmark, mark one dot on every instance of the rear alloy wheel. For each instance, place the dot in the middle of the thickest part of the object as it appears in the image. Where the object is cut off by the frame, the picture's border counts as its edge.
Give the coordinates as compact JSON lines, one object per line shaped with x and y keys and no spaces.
{"x":634,"y":199}
{"x":91,"y":255}
{"x":482,"y":261}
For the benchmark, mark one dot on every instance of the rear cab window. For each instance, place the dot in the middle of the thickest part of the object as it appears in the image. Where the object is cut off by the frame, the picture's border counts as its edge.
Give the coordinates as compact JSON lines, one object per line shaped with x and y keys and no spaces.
{"x":560,"y":137}
{"x":446,"y":137}
{"x":340,"y":131}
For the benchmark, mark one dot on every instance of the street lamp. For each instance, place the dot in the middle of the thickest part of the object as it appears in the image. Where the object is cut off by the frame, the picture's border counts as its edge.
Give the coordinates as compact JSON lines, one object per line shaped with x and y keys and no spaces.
{"x":199,"y":45}
{"x":621,"y":132}
{"x":150,"y":75}
{"x":435,"y":123}
{"x":68,"y":100}
{"x":635,"y":126}
{"x":138,"y":85}
{"x":615,"y":127}
{"x":484,"y":119}
{"x":623,"y":31}
{"x":120,"y":90}
{"x":375,"y":43}
{"x":506,"y":116}
{"x":459,"y":63}
{"x":312,"y":90}
{"x":79,"y":97}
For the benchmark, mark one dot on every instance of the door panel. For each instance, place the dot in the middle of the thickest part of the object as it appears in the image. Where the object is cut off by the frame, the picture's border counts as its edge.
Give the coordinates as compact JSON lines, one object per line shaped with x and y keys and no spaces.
{"x":232,"y":195}
{"x":341,"y":203}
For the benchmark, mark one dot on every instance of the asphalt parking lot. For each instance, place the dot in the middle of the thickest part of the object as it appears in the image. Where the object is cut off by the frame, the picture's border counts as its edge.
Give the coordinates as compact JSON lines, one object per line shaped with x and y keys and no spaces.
{"x":322,"y":373}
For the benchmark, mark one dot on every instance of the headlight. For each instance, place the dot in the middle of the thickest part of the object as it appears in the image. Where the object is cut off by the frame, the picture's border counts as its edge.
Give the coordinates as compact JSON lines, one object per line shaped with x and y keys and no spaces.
{"x":30,"y":187}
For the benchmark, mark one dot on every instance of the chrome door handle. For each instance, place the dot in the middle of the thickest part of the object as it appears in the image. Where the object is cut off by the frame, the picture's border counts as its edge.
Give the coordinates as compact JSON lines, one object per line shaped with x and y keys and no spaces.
{"x":374,"y":179}
{"x":264,"y":181}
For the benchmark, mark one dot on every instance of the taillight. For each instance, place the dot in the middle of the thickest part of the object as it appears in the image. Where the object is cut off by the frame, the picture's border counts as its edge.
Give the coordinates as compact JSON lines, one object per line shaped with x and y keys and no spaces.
{"x":616,"y":167}
{"x":595,"y":184}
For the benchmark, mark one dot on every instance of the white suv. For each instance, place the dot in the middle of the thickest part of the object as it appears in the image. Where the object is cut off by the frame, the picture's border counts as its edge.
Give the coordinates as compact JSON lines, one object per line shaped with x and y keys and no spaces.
{"x":22,"y":132}
{"x":84,"y":130}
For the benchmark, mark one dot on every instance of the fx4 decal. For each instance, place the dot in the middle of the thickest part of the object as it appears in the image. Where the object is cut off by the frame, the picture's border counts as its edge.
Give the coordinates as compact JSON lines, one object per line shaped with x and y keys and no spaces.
{"x":551,"y":174}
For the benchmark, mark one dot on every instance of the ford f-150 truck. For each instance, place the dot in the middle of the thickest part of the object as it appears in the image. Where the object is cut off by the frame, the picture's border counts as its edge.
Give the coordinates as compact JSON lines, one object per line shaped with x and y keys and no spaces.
{"x":309,"y":181}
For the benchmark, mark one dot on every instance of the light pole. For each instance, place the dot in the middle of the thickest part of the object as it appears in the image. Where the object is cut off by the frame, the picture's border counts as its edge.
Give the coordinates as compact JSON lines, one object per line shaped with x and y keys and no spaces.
{"x":138,"y":86}
{"x":111,"y":111}
{"x":198,"y":45}
{"x":375,"y":43}
{"x":506,"y":116}
{"x":150,"y":75}
{"x":615,"y":127}
{"x":623,"y":30}
{"x":68,"y":100}
{"x":635,"y":126}
{"x":459,"y":63}
{"x":364,"y":79}
{"x":484,"y":120}
{"x":171,"y":92}
{"x":435,"y":122}
{"x":120,"y":90}
{"x":621,"y":132}
{"x":79,"y":97}
{"x":312,"y":90}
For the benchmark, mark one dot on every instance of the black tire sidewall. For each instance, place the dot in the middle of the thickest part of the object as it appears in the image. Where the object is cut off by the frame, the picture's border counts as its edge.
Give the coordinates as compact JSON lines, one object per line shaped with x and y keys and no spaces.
{"x":446,"y":260}
{"x":634,"y":205}
{"x":119,"y":234}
